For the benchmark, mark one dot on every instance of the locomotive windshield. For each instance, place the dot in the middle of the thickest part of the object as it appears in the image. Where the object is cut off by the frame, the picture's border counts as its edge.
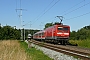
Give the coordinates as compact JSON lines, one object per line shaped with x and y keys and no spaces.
{"x":63,"y":28}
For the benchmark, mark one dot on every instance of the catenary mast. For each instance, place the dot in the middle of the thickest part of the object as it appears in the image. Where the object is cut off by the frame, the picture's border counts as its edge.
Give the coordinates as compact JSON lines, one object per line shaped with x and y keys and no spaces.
{"x":20,"y":16}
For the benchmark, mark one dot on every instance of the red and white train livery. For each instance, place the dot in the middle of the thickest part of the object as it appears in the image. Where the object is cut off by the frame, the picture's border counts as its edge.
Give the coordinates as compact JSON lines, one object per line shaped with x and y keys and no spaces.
{"x":58,"y":33}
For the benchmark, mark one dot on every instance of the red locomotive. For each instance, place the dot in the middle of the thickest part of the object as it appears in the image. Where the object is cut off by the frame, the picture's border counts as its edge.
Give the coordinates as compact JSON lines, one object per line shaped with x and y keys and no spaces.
{"x":57,"y":33}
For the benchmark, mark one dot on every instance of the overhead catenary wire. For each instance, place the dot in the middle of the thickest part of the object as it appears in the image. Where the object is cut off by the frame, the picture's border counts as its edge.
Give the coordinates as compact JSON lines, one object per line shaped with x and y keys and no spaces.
{"x":16,"y":8}
{"x":81,"y":14}
{"x":41,"y":12}
{"x":73,"y":6}
{"x":46,"y":7}
{"x":49,"y":9}
{"x":18,"y":15}
{"x":78,"y":16}
{"x":46,"y":11}
{"x":76,"y":8}
{"x":73,"y":10}
{"x":65,"y":10}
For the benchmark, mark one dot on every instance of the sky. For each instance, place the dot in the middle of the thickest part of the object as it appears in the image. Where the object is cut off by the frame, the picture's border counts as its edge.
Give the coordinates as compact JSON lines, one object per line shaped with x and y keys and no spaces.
{"x":36,"y":13}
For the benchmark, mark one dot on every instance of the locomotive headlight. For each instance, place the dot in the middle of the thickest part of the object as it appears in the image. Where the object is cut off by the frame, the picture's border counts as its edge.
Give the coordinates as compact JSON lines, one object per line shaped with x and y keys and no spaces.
{"x":66,"y":33}
{"x":63,"y":34}
{"x":60,"y":33}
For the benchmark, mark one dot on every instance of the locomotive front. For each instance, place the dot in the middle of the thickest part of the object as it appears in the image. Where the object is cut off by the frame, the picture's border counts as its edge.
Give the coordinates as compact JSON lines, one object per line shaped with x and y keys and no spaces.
{"x":63,"y":33}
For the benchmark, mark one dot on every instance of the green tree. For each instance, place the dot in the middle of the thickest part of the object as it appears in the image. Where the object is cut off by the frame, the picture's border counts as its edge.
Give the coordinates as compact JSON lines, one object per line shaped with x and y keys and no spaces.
{"x":48,"y":25}
{"x":8,"y":32}
{"x":82,"y":34}
{"x":73,"y":35}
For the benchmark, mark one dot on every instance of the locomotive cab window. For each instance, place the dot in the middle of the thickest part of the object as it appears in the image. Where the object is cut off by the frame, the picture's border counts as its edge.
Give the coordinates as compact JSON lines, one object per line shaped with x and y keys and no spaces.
{"x":62,"y":28}
{"x":65,"y":28}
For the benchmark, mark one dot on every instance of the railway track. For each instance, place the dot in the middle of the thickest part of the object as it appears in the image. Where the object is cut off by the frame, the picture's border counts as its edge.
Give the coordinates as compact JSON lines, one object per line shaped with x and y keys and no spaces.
{"x":68,"y":51}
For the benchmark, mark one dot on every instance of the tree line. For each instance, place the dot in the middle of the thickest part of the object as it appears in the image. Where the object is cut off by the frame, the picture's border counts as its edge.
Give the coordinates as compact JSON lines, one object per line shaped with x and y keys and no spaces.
{"x":81,"y":34}
{"x":8,"y":33}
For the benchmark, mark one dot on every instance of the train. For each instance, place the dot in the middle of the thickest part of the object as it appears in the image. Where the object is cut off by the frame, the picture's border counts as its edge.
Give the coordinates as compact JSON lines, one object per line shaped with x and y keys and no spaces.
{"x":58,"y":34}
{"x":29,"y":37}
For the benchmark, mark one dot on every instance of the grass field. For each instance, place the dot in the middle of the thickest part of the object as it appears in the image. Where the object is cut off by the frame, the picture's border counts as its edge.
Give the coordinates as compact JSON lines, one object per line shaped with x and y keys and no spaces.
{"x":35,"y":54}
{"x":81,"y":43}
{"x":11,"y":50}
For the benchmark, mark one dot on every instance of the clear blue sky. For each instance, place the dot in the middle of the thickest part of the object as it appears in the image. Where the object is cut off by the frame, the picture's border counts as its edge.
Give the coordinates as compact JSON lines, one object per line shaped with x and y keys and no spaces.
{"x":76,"y":13}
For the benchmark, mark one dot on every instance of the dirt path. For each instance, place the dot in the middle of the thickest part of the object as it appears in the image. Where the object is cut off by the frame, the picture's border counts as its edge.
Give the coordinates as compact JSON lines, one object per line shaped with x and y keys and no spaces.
{"x":11,"y":50}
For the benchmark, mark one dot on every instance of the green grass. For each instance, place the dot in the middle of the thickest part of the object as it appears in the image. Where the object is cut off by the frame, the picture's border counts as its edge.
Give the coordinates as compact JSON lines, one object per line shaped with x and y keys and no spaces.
{"x":34,"y":53}
{"x":81,"y":43}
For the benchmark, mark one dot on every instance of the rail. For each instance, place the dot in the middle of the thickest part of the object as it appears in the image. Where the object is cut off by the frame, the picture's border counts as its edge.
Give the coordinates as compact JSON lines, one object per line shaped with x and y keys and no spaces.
{"x":79,"y":54}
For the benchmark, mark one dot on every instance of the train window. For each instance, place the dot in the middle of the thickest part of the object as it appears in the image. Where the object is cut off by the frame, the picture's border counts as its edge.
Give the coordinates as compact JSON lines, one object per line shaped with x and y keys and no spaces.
{"x":42,"y":33}
{"x":65,"y":28}
{"x":62,"y":28}
{"x":39,"y":34}
{"x":36,"y":34}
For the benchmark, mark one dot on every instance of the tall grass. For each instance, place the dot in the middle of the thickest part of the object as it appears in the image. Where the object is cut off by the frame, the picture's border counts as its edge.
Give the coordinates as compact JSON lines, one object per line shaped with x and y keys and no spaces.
{"x":35,"y":54}
{"x":81,"y":43}
{"x":11,"y":50}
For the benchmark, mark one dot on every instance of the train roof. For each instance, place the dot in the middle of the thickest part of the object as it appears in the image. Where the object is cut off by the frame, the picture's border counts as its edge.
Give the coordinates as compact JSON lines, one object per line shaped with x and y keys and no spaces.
{"x":63,"y":25}
{"x":40,"y":31}
{"x":60,"y":24}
